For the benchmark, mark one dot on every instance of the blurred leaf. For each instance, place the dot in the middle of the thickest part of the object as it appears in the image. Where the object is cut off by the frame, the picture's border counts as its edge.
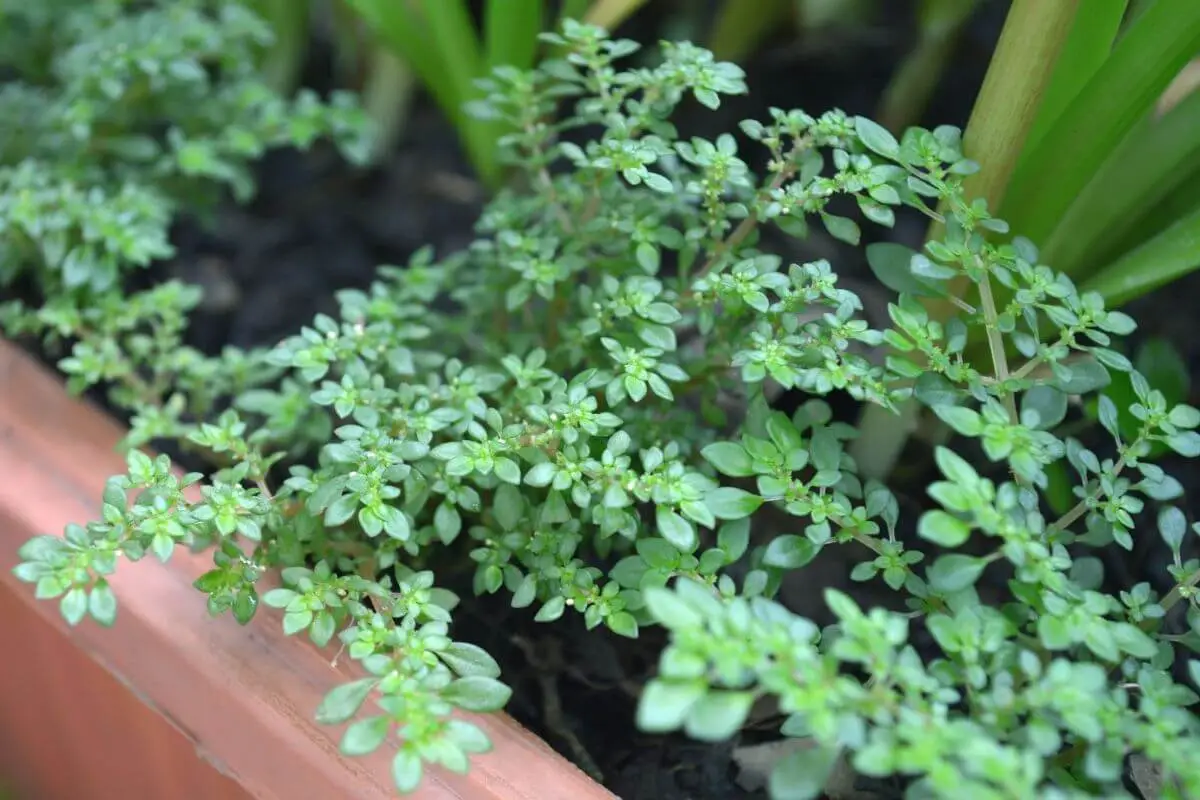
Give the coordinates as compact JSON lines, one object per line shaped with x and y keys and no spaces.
{"x":608,"y":14}
{"x":741,"y":25}
{"x":511,"y":28}
{"x":1157,"y":158}
{"x":1168,"y":256}
{"x":1143,"y":63}
{"x":1088,"y":45}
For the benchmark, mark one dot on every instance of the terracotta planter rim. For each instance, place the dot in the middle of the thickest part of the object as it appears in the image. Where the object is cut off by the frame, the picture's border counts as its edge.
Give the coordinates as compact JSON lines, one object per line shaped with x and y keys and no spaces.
{"x":243,"y":696}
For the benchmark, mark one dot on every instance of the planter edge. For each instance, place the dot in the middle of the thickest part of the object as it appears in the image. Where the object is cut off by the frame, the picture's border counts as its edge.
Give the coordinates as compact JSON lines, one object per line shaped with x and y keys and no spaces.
{"x":244,"y":696}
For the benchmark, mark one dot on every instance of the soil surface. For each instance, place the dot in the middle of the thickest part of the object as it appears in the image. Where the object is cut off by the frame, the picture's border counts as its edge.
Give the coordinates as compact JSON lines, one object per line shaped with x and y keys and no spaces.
{"x":316,"y":227}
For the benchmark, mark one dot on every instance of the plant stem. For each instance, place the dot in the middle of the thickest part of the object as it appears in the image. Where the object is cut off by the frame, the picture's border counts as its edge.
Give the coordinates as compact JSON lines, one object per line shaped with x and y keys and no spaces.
{"x":387,"y":97}
{"x":908,"y":92}
{"x":1176,"y":594}
{"x":996,"y":341}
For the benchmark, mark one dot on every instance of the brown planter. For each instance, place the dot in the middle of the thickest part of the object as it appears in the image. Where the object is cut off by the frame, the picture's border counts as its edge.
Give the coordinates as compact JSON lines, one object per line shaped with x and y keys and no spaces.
{"x":170,"y":702}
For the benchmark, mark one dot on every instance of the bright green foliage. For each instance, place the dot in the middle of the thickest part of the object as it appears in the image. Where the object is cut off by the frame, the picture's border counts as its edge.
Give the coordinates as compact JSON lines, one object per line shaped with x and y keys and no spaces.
{"x":116,"y":114}
{"x":587,"y":384}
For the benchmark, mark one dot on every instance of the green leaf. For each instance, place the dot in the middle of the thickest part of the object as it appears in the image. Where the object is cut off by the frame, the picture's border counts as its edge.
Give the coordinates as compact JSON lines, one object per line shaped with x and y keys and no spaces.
{"x":1053,"y":632}
{"x":1125,"y":204}
{"x":551,"y":610}
{"x":953,"y":573}
{"x":1172,"y":526}
{"x":790,"y":551}
{"x":102,"y":604}
{"x":843,"y":229}
{"x":669,"y":609}
{"x":876,"y":137}
{"x":507,"y":470}
{"x":541,"y":474}
{"x":509,"y":506}
{"x":728,"y":502}
{"x":74,"y":605}
{"x":468,"y":660}
{"x":477,"y":693}
{"x":1186,"y":444}
{"x":323,"y":628}
{"x":511,"y":29}
{"x":364,"y":736}
{"x":802,"y":775}
{"x":1087,"y":47}
{"x":891,"y":264}
{"x":407,"y":770}
{"x":665,"y":704}
{"x":343,"y":702}
{"x":718,"y":715}
{"x":279,"y":598}
{"x":437,"y":39}
{"x":1168,"y":256}
{"x":1048,"y":403}
{"x":622,"y":623}
{"x":467,"y":736}
{"x":943,"y":529}
{"x":1144,"y":61}
{"x":733,"y":538}
{"x":676,"y":530}
{"x":729,"y":458}
{"x":965,"y":421}
{"x":296,"y":621}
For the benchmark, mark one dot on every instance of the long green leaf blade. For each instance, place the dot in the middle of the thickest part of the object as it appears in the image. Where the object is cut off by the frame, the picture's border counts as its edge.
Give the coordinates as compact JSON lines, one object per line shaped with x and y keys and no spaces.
{"x":741,"y":25}
{"x":1087,"y":47}
{"x":1151,"y":163}
{"x":1120,"y":93}
{"x":608,"y":14}
{"x":400,"y":27}
{"x":452,"y":31}
{"x":1172,"y":254}
{"x":452,"y":35}
{"x":572,"y":9}
{"x":511,"y":28}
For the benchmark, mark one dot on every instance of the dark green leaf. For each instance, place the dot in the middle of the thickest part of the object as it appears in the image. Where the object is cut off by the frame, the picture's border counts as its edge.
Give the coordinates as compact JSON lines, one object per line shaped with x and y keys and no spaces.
{"x":953,"y":573}
{"x":729,"y":458}
{"x":676,"y":530}
{"x":790,"y":551}
{"x":477,"y":693}
{"x":876,"y":137}
{"x":728,"y":502}
{"x":467,"y":660}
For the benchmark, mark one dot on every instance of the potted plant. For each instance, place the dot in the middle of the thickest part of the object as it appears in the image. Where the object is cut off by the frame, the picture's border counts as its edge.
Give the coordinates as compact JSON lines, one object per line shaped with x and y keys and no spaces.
{"x":587,"y":403}
{"x":135,"y":115}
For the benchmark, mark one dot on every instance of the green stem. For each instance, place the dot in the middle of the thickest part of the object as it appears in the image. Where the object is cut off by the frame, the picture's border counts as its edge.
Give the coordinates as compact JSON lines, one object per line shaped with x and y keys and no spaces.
{"x":909,"y":90}
{"x":996,"y":342}
{"x":387,"y":97}
{"x":1176,"y":594}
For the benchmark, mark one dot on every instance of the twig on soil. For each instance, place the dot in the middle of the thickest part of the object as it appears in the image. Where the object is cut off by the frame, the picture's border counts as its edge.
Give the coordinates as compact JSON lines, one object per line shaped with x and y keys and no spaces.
{"x":547,"y":663}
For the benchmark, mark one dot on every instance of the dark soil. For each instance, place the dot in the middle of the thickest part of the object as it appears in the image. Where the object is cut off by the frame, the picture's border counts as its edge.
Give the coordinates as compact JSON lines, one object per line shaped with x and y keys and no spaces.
{"x":316,"y":227}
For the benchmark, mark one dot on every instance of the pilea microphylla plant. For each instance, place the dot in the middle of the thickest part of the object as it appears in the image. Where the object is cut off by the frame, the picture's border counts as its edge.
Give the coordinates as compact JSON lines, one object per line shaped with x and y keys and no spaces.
{"x":579,"y":403}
